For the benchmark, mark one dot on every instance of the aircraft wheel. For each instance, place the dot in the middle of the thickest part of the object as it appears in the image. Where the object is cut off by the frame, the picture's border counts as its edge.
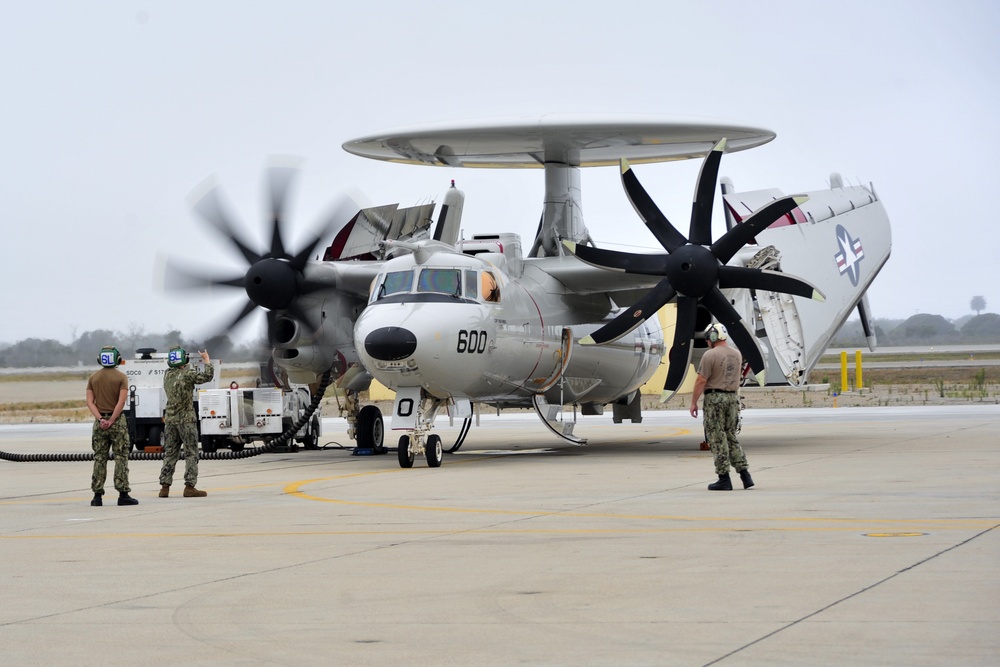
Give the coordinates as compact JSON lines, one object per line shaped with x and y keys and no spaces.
{"x":404,"y":452}
{"x":434,"y":451}
{"x":371,"y":430}
{"x":209,"y":445}
{"x":155,"y":436}
{"x":311,"y":440}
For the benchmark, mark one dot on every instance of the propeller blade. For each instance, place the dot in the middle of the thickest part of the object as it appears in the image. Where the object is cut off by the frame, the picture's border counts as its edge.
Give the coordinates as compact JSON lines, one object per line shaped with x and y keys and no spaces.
{"x":649,"y":265}
{"x":209,"y":207}
{"x":680,"y":352}
{"x":632,"y":317}
{"x":665,"y":233}
{"x":247,"y":309}
{"x":772,"y":281}
{"x":176,"y":278}
{"x":310,"y":285}
{"x":762,"y":218}
{"x":279,"y":181}
{"x":272,"y":318}
{"x":296,"y":311}
{"x":723,"y":311}
{"x":704,"y":196}
{"x":345,"y":208}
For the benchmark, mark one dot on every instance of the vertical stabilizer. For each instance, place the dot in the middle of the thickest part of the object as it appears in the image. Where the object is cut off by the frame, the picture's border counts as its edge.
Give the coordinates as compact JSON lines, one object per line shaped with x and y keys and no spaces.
{"x":449,"y":222}
{"x":726,"y":187}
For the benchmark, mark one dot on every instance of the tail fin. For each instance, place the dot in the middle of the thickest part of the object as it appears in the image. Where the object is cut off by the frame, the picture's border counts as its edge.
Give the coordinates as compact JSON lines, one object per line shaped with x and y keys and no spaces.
{"x":838,"y":241}
{"x":449,"y":223}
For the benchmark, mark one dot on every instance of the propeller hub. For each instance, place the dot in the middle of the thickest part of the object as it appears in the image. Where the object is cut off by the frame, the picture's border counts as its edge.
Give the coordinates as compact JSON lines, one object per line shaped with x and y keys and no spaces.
{"x":272,"y":284}
{"x":692,"y":270}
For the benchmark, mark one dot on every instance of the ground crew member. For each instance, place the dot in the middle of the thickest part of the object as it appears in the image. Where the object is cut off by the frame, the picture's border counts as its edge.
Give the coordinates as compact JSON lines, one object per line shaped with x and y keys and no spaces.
{"x":719,"y":379}
{"x":180,"y":422}
{"x":107,"y":390}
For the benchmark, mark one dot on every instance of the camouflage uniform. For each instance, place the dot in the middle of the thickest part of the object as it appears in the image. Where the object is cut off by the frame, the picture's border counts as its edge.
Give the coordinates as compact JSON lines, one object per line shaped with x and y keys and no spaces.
{"x":106,"y":385}
{"x":721,"y":366}
{"x":180,"y":422}
{"x":722,"y":414}
{"x":115,"y":439}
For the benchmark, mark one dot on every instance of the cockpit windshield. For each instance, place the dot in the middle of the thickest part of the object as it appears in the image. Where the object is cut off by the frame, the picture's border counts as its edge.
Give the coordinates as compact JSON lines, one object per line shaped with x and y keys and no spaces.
{"x":396,"y":281}
{"x":440,"y":281}
{"x":476,"y":285}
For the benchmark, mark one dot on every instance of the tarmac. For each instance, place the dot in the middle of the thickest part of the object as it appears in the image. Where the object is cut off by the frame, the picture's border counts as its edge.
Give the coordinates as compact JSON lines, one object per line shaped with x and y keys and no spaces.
{"x":870,"y":538}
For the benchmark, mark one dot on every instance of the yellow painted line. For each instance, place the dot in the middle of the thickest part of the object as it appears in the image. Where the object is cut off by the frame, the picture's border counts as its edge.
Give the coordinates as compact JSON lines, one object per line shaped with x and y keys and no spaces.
{"x":438,"y":533}
{"x":294,"y":489}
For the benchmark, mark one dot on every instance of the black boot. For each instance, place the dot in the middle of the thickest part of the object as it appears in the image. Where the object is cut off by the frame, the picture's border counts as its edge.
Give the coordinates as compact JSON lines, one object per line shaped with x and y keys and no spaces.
{"x":97,"y":501}
{"x":724,"y":484}
{"x":125,"y":499}
{"x":747,"y":479}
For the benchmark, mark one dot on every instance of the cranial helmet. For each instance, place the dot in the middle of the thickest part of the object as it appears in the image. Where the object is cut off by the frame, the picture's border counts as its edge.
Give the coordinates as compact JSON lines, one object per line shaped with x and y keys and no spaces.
{"x":716,"y":332}
{"x":109,"y":357}
{"x":177,"y":357}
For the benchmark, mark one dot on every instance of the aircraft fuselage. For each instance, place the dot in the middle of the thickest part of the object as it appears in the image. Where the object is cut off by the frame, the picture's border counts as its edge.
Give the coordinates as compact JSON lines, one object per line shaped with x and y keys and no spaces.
{"x":460,"y":327}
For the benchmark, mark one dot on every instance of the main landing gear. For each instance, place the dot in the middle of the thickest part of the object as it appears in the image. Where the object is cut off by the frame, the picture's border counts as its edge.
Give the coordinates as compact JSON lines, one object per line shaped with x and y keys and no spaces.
{"x":364,"y":426}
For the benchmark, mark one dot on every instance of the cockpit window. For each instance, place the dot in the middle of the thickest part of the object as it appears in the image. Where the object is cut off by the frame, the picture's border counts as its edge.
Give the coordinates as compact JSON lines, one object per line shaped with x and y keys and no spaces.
{"x":396,"y":281}
{"x":442,"y":281}
{"x":477,"y":285}
{"x":471,"y":285}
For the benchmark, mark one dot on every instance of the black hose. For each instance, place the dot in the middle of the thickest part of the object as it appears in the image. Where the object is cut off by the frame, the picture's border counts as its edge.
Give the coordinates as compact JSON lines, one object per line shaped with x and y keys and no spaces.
{"x":466,"y":425}
{"x":157,"y":456}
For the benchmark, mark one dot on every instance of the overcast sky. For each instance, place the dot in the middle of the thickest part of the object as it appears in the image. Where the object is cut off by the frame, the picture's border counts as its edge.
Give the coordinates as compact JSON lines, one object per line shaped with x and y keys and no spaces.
{"x":115,"y":111}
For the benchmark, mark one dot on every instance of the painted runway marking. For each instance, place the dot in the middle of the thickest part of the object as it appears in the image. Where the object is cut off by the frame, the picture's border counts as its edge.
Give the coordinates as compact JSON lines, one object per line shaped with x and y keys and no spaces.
{"x":961,"y":525}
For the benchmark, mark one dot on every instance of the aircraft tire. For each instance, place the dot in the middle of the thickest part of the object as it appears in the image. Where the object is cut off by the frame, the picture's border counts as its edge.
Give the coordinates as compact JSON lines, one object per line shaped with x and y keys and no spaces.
{"x":311,"y":440}
{"x":209,"y":445}
{"x":404,"y":452}
{"x":155,"y":437}
{"x":371,"y":429}
{"x":434,"y":451}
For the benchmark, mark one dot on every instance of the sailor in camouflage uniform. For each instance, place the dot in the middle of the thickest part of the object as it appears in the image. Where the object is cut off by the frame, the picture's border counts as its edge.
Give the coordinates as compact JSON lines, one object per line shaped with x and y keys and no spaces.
{"x":719,"y":379}
{"x":107,"y":390}
{"x":180,"y":421}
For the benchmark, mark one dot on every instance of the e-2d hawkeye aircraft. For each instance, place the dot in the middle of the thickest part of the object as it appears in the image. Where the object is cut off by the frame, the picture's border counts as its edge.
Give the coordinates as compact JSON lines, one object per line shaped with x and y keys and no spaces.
{"x":449,"y":322}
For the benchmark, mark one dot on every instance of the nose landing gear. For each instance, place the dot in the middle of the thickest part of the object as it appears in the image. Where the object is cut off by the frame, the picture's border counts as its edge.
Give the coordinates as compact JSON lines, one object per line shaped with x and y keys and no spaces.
{"x":409,"y":448}
{"x":415,"y":411}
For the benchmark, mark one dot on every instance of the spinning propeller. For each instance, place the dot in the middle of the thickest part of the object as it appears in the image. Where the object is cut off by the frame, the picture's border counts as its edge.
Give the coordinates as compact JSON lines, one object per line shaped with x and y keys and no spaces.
{"x":694,"y":271}
{"x":275,"y":279}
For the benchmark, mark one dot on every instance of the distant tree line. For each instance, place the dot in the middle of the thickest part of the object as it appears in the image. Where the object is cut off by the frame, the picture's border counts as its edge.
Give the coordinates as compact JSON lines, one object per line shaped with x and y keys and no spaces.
{"x":923,"y":329}
{"x":38,"y":352}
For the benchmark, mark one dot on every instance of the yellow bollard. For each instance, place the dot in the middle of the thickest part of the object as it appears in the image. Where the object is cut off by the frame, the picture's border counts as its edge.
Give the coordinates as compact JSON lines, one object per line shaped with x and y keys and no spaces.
{"x":843,"y":371}
{"x":857,"y":369}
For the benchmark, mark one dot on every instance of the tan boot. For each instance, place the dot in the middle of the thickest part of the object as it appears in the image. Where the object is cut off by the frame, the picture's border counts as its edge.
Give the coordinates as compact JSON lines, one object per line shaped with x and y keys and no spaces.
{"x":164,"y":490}
{"x":191,"y":492}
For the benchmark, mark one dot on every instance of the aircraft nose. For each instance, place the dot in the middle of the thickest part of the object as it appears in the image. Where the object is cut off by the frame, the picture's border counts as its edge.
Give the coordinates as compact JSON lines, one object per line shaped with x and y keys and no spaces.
{"x":390,"y":343}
